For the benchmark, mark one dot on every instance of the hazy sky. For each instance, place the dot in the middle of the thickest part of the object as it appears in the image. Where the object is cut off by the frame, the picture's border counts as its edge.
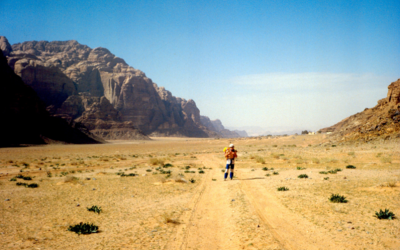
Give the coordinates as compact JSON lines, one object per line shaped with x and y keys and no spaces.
{"x":273,"y":64}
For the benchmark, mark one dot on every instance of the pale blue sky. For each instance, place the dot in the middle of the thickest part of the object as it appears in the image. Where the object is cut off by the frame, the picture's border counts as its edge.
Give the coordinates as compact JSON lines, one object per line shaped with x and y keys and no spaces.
{"x":277,"y":64}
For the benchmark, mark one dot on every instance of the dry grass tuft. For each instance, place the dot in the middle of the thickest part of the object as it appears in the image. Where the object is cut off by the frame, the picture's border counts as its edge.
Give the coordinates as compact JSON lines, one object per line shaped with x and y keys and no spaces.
{"x":71,"y":179}
{"x":168,"y":219}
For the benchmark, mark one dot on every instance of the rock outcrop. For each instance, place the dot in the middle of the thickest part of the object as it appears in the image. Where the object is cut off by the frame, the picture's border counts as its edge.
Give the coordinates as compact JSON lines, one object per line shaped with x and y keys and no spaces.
{"x":57,"y":71}
{"x":99,"y":116}
{"x":25,"y":119}
{"x":379,"y":122}
{"x":217,"y":127}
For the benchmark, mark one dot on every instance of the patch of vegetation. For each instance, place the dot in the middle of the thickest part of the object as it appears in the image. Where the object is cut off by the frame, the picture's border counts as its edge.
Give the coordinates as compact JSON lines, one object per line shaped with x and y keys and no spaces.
{"x":385,"y":215}
{"x":191,"y":180}
{"x":283,"y":189}
{"x":303,"y":176}
{"x":300,"y":168}
{"x":33,"y":185}
{"x":49,"y":174}
{"x":21,"y":184}
{"x":386,"y":159}
{"x":148,"y":170}
{"x":214,"y":179}
{"x":267,"y":175}
{"x":332,"y":172}
{"x":168,"y":165}
{"x":201,"y":172}
{"x":336,"y":198}
{"x":326,"y":178}
{"x":323,"y":172}
{"x":13,"y":179}
{"x":265,"y":168}
{"x":338,"y":169}
{"x":27,"y":178}
{"x":84,"y":228}
{"x":350,"y":166}
{"x":127,"y":175}
{"x":187,"y":167}
{"x":275,"y":173}
{"x":64,"y":173}
{"x":94,"y":209}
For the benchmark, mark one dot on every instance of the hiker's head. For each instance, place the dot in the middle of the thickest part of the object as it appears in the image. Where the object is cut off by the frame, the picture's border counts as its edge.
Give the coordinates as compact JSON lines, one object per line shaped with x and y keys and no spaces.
{"x":231,"y":146}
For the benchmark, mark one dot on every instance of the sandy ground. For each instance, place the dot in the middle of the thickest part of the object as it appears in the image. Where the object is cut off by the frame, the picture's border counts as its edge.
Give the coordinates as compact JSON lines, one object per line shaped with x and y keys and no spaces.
{"x":158,"y":211}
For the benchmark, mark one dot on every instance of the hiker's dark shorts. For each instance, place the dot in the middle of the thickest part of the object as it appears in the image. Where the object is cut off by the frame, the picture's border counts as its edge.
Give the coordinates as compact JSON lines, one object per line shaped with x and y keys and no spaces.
{"x":230,"y":166}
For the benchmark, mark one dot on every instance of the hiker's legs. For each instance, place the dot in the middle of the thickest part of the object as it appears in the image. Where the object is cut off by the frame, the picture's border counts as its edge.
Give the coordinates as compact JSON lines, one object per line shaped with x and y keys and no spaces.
{"x":226,"y":171}
{"x":232,"y":168}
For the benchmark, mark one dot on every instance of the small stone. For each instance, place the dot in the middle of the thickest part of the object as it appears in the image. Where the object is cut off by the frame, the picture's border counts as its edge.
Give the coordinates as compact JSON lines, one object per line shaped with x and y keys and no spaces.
{"x":77,"y":205}
{"x":94,"y":189}
{"x":88,"y":178}
{"x":344,"y":177}
{"x":7,"y":199}
{"x":258,"y":225}
{"x":349,"y":222}
{"x":233,"y":199}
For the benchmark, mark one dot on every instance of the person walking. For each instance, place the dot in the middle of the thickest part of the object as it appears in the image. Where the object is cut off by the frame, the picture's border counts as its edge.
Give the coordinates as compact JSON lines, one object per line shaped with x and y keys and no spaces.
{"x":230,"y":155}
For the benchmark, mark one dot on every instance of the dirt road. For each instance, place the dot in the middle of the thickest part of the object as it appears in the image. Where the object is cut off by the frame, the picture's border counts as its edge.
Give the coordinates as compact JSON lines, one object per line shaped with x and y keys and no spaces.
{"x":240,"y":214}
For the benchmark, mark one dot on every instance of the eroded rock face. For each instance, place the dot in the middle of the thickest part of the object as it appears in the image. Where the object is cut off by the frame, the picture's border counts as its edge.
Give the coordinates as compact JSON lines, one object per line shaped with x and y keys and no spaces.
{"x":5,"y":46}
{"x":26,"y":120}
{"x":379,"y":122}
{"x":99,"y":116}
{"x":217,"y":127}
{"x":59,"y":70}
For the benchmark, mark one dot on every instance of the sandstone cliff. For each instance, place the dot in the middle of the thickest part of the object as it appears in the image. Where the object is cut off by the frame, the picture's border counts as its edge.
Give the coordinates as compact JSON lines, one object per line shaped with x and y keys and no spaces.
{"x":25,"y":119}
{"x":379,"y":122}
{"x":58,"y":71}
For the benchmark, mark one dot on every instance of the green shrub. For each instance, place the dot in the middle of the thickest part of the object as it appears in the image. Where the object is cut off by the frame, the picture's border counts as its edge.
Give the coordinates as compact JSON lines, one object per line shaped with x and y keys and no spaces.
{"x":275,"y":173}
{"x":149,"y":170}
{"x":13,"y":179}
{"x":350,"y":166}
{"x":33,"y":185}
{"x":265,"y":168}
{"x":300,"y":168}
{"x":192,"y":180}
{"x":49,"y":174}
{"x":283,"y":189}
{"x":384,"y":215}
{"x":168,"y":165}
{"x":303,"y":176}
{"x":326,"y":178}
{"x":84,"y":228}
{"x":332,"y":172}
{"x":267,"y":175}
{"x":338,"y":169}
{"x":27,"y":178}
{"x":21,"y":184}
{"x":323,"y":172}
{"x":95,"y":209}
{"x":187,"y":167}
{"x":201,"y":172}
{"x":20,"y":176}
{"x":336,"y":198}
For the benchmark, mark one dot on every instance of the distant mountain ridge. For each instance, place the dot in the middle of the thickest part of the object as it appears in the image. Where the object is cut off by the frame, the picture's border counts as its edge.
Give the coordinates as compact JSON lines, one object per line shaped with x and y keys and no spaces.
{"x":379,"y":122}
{"x":83,"y":84}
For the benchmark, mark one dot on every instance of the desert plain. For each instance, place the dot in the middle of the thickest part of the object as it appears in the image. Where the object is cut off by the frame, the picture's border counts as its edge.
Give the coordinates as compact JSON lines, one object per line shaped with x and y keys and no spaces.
{"x":177,"y":198}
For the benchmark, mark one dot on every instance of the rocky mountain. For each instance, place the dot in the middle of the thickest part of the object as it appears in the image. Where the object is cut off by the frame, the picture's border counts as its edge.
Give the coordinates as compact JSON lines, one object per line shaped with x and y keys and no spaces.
{"x":84,"y":84}
{"x":379,"y":122}
{"x":217,"y":127}
{"x":24,"y":116}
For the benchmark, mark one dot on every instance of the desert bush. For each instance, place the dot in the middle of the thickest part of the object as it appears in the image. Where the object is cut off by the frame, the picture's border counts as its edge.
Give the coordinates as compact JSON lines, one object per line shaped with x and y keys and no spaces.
{"x":49,"y":174}
{"x":27,"y":178}
{"x":303,"y":176}
{"x":20,"y":176}
{"x":13,"y":179}
{"x":168,"y":165}
{"x":192,"y":180}
{"x":156,"y":161}
{"x":338,"y":169}
{"x":350,"y":166}
{"x":33,"y":185}
{"x":323,"y":172}
{"x":326,"y":178}
{"x":386,"y":215}
{"x":148,"y":170}
{"x":315,"y":160}
{"x":386,"y":159}
{"x":300,"y":168}
{"x":275,"y":173}
{"x":265,"y":168}
{"x":64,"y":173}
{"x":332,"y":172}
{"x":283,"y":189}
{"x":187,"y":167}
{"x":336,"y":198}
{"x":201,"y":172}
{"x":169,"y":219}
{"x":84,"y":228}
{"x":259,"y":159}
{"x":94,"y":209}
{"x":274,"y":146}
{"x":21,"y":184}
